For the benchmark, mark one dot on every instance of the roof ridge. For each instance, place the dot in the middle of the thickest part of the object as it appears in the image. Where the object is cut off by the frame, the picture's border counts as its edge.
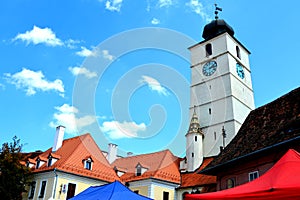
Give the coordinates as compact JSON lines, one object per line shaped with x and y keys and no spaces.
{"x":285,"y":95}
{"x":130,"y":157}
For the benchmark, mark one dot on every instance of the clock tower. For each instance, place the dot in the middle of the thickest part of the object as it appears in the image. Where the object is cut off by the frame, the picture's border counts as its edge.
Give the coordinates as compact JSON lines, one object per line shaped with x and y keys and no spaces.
{"x":221,"y":88}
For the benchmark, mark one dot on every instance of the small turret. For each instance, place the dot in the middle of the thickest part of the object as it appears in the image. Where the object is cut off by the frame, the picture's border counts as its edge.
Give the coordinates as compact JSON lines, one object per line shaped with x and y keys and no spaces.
{"x":194,"y":144}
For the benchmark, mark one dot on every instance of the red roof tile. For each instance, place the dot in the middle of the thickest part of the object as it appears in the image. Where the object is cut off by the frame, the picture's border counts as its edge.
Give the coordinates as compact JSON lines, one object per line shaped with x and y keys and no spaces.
{"x":73,"y":152}
{"x":161,"y":165}
{"x":196,"y":179}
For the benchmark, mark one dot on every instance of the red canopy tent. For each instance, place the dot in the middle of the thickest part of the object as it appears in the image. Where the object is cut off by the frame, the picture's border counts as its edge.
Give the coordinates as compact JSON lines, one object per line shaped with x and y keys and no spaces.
{"x":282,"y":181}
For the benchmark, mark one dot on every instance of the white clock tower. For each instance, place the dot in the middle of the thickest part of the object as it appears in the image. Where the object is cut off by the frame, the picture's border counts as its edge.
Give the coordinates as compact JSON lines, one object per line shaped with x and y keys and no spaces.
{"x":221,"y":87}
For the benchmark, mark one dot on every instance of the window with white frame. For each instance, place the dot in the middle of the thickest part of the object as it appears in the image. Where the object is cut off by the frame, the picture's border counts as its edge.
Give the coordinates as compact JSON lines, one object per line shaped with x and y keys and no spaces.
{"x":42,"y":189}
{"x":88,"y":164}
{"x":253,"y":175}
{"x":32,"y":190}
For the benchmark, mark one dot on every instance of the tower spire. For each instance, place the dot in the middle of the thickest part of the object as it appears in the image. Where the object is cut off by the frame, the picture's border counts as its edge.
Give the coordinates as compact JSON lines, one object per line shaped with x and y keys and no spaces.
{"x":195,"y":124}
{"x":217,"y":9}
{"x":194,"y":144}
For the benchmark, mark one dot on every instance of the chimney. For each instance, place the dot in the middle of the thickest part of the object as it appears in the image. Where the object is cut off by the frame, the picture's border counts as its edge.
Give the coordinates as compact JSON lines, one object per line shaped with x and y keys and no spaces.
{"x":59,"y":137}
{"x":112,"y":152}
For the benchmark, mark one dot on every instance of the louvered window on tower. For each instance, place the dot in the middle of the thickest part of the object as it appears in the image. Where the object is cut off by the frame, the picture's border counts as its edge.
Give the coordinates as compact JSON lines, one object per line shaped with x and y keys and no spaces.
{"x":238,"y":52}
{"x":208,"y":49}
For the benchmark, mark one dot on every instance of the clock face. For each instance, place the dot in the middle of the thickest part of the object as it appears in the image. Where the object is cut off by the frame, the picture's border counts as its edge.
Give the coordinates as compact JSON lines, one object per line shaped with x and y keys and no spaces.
{"x":209,"y":68}
{"x":240,"y":70}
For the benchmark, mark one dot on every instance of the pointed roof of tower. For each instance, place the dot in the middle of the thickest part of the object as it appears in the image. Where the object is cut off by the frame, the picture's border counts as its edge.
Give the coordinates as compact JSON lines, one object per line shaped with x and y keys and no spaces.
{"x":195,"y":124}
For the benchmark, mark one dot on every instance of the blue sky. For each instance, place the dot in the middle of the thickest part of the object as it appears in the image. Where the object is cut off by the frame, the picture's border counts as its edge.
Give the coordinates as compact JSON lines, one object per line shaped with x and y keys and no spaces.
{"x":119,"y":69}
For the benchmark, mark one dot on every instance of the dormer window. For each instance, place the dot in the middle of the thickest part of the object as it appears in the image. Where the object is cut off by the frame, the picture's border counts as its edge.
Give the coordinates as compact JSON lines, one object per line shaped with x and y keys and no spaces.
{"x":49,"y":161}
{"x":40,"y":161}
{"x":120,"y":172}
{"x":52,"y":158}
{"x":88,"y":163}
{"x":140,"y":170}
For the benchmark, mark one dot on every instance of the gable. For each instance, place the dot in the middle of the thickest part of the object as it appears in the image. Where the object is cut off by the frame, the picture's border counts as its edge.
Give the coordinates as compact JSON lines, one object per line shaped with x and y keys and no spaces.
{"x":72,"y":155}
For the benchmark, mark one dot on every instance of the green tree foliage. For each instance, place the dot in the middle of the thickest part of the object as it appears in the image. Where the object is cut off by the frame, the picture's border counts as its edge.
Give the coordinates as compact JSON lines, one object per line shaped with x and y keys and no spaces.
{"x":13,"y":174}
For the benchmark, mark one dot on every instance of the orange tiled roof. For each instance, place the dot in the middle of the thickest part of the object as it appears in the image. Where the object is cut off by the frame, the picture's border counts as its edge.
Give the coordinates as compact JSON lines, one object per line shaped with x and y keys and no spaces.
{"x":161,"y":165}
{"x":71,"y":156}
{"x":196,"y":179}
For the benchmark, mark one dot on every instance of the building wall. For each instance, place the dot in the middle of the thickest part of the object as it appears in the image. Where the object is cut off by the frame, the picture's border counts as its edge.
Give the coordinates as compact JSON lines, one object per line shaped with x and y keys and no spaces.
{"x":159,"y":190}
{"x":61,"y":182}
{"x":142,"y":190}
{"x":239,"y":172}
{"x":154,"y":188}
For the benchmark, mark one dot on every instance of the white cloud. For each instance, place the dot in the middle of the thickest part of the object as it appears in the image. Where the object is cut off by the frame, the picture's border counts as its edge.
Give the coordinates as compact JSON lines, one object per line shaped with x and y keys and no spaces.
{"x":118,"y":130}
{"x":66,"y":116}
{"x":113,"y":5}
{"x":165,"y":3}
{"x":154,"y":85}
{"x":107,"y":56}
{"x":85,"y":52}
{"x":32,"y":82}
{"x":82,"y":71}
{"x":71,"y":44}
{"x":197,"y":7}
{"x":95,"y":52}
{"x":155,"y":21}
{"x":40,"y":36}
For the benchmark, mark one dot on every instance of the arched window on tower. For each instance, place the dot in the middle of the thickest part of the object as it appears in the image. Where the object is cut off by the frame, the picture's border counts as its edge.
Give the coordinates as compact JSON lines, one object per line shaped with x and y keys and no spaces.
{"x":238,"y":52}
{"x":196,"y":138}
{"x":208,"y":49}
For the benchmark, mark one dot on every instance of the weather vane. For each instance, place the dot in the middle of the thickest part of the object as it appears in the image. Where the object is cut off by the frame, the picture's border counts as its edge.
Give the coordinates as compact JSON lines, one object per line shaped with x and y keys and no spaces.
{"x":217,"y":11}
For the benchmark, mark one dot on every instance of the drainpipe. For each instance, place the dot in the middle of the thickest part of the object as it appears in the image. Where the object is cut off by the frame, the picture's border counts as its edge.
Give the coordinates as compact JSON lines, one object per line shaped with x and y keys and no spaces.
{"x":55,"y":183}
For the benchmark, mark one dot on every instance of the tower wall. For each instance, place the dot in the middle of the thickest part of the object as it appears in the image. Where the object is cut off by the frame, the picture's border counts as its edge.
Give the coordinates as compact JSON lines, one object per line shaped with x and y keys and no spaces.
{"x":224,"y":98}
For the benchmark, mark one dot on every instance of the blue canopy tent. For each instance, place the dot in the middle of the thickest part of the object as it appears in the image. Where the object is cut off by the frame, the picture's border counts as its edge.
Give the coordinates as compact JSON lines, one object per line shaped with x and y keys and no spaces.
{"x":111,"y":191}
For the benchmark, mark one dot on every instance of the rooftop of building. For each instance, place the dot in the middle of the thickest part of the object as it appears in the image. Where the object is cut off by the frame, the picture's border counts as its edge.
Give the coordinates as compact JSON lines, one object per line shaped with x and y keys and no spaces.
{"x":161,"y":165}
{"x":71,"y":156}
{"x":194,"y":179}
{"x":268,"y":126}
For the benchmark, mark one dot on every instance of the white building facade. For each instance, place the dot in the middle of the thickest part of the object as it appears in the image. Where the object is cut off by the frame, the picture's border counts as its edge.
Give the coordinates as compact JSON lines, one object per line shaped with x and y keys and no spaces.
{"x":221,"y":86}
